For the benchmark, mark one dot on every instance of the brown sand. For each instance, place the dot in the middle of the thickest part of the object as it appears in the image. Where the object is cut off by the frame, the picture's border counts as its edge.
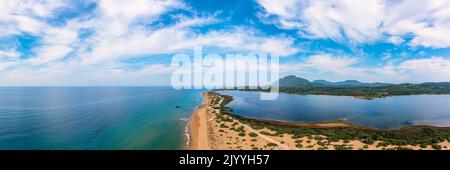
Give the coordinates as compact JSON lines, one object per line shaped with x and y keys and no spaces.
{"x":198,"y":127}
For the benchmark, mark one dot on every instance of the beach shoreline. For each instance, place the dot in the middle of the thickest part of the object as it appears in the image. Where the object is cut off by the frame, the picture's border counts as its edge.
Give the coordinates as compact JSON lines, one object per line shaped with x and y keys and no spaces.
{"x":198,"y":127}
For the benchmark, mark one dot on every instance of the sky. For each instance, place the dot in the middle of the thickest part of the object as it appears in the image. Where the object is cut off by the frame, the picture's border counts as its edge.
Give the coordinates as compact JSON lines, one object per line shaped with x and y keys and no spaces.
{"x":131,"y":43}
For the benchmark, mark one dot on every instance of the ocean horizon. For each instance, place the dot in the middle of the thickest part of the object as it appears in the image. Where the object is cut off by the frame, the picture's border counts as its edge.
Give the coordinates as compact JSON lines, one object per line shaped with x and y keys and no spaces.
{"x":95,"y":117}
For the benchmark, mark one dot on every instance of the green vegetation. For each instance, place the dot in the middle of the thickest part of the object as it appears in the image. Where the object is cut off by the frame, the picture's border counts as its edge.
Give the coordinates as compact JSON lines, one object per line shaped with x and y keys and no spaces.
{"x":318,"y":138}
{"x":371,"y":92}
{"x":366,"y":92}
{"x":321,"y":143}
{"x":298,"y":141}
{"x":272,"y":144}
{"x":241,"y":134}
{"x":401,"y":148}
{"x":368,"y":140}
{"x":266,"y":133}
{"x":411,"y":135}
{"x":342,"y":147}
{"x":252,"y":134}
{"x":224,"y":119}
{"x":223,"y":125}
{"x":240,"y":129}
{"x":382,"y":144}
{"x":436,"y":147}
{"x":323,"y":148}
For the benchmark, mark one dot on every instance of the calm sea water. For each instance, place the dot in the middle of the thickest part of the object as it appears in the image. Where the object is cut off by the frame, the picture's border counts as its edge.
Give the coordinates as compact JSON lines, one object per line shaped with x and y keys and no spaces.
{"x":386,"y":113}
{"x":95,"y":117}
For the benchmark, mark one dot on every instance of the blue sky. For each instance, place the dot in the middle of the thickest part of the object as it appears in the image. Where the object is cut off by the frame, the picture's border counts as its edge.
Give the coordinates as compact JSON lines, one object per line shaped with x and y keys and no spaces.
{"x":117,"y":42}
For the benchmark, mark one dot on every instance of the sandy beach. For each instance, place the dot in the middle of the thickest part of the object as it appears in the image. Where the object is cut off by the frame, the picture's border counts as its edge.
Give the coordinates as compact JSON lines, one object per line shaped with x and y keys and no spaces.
{"x":209,"y":130}
{"x":198,"y":127}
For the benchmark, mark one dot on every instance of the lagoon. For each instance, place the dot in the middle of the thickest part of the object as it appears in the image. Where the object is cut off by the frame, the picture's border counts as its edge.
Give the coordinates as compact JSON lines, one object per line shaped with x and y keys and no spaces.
{"x":383,"y":113}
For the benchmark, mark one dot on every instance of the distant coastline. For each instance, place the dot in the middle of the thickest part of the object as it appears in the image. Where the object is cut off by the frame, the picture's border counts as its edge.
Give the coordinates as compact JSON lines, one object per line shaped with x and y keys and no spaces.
{"x":214,"y":126}
{"x":297,"y":85}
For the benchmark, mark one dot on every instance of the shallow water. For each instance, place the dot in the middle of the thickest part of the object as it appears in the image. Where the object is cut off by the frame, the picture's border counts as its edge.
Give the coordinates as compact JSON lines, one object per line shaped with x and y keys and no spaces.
{"x":95,"y":117}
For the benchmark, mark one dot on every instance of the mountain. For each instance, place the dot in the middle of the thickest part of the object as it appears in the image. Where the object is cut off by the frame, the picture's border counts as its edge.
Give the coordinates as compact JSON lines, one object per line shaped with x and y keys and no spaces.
{"x":323,"y":82}
{"x":351,"y":83}
{"x":292,"y":81}
{"x":436,"y":84}
{"x":297,"y":85}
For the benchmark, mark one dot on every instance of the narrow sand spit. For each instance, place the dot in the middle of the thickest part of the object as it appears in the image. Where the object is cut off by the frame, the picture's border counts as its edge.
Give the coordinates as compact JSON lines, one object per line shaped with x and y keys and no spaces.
{"x":198,"y":127}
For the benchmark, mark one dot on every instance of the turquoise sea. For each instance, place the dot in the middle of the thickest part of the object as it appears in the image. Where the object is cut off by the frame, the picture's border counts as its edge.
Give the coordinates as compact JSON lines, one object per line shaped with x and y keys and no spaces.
{"x":95,"y":117}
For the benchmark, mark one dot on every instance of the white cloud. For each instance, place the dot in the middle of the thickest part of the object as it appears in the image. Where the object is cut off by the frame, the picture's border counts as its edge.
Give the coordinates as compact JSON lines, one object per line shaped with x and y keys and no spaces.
{"x":329,"y":62}
{"x":9,"y":54}
{"x":182,"y":38}
{"x":357,"y":21}
{"x":72,"y":74}
{"x":120,"y":9}
{"x":430,"y":69}
{"x":41,"y":8}
{"x":435,"y":37}
{"x":19,"y":16}
{"x":120,"y":29}
{"x":110,"y":22}
{"x":396,"y":40}
{"x":338,"y":68}
{"x":326,"y":66}
{"x":27,"y":16}
{"x":287,"y":9}
{"x":243,"y":39}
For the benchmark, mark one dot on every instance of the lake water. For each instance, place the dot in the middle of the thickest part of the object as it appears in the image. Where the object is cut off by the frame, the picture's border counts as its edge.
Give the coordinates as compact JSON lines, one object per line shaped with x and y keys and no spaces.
{"x":385,"y":113}
{"x":95,"y":117}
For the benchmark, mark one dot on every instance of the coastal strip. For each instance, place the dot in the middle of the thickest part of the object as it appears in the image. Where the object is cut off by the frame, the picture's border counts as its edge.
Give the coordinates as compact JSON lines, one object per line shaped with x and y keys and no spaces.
{"x":198,"y":127}
{"x":214,"y":126}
